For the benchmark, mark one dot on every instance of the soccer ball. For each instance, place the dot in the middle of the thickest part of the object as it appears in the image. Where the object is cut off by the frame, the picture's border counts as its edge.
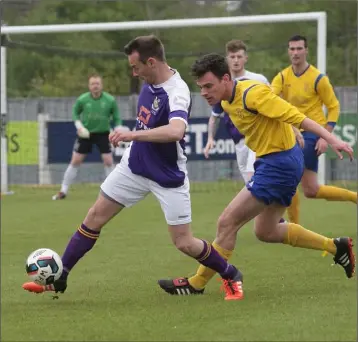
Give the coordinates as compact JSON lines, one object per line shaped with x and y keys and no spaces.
{"x":44,"y":266}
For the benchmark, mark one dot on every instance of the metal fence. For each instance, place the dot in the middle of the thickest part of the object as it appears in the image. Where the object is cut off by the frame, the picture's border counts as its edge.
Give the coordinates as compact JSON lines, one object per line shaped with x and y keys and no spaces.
{"x":61,"y":109}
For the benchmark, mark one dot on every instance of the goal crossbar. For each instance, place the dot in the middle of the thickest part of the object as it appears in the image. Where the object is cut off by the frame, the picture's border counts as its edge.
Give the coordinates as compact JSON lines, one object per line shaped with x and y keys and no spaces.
{"x":168,"y":23}
{"x":319,"y":17}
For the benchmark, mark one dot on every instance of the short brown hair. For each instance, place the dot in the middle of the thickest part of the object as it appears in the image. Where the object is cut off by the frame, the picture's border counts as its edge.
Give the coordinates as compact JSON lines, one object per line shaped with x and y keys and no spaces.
{"x":94,"y":75}
{"x":235,"y":45}
{"x":146,"y":46}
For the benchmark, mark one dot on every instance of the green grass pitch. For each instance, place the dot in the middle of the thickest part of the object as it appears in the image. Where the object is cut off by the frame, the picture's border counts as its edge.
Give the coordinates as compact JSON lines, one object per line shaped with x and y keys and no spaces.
{"x":290,"y":294}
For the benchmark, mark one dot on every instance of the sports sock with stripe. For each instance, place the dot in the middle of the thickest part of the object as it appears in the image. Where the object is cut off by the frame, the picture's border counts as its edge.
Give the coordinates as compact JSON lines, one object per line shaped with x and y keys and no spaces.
{"x":81,"y":242}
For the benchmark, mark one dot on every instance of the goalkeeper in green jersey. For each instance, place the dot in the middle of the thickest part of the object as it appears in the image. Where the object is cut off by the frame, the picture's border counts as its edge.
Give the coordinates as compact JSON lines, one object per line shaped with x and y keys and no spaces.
{"x":93,"y":113}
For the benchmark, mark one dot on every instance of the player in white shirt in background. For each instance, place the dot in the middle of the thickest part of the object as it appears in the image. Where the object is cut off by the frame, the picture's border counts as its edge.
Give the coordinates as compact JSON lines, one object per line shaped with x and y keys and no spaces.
{"x":236,"y":53}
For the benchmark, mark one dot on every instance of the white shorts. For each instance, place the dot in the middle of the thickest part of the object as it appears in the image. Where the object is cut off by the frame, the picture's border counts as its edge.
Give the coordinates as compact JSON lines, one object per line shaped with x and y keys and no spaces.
{"x":245,"y":158}
{"x":126,"y":188}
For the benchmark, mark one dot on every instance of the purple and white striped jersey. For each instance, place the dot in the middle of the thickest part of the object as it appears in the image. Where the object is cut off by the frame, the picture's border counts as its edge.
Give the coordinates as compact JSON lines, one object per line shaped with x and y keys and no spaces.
{"x":163,"y":163}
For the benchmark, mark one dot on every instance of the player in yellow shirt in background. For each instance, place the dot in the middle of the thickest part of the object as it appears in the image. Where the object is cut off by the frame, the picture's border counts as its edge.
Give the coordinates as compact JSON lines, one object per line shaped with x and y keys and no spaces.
{"x":302,"y":85}
{"x":265,"y":120}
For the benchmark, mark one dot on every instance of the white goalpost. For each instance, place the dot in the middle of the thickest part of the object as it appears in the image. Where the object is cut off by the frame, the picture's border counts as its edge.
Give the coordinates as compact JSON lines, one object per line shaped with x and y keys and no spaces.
{"x":319,"y":17}
{"x":3,"y":105}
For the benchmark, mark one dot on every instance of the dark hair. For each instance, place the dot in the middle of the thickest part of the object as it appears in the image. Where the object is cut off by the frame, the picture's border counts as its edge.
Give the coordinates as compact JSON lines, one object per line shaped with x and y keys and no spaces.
{"x":235,"y":45}
{"x":146,"y":46}
{"x":297,"y":38}
{"x":212,"y":62}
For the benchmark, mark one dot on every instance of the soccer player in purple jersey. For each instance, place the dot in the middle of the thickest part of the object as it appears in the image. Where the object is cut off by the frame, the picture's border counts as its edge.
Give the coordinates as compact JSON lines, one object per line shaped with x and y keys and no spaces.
{"x":154,"y":162}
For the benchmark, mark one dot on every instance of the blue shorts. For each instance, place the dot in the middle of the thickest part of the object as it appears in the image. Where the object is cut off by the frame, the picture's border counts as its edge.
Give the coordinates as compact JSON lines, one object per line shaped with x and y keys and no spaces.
{"x":309,"y":152}
{"x":277,"y":176}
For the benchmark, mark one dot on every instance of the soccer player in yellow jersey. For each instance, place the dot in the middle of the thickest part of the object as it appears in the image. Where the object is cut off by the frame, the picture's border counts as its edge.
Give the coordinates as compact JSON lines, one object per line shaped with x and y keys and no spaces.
{"x":302,"y":85}
{"x":265,"y":119}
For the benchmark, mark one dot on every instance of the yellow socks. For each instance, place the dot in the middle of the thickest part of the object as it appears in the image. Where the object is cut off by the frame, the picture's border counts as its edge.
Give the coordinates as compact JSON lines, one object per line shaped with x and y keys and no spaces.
{"x":332,"y":193}
{"x":329,"y":193}
{"x":297,"y":236}
{"x":293,"y":211}
{"x":204,"y":274}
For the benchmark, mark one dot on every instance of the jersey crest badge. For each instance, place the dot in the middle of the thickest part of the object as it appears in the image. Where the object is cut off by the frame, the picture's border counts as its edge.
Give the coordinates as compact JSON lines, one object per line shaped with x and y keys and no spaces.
{"x":155,"y":105}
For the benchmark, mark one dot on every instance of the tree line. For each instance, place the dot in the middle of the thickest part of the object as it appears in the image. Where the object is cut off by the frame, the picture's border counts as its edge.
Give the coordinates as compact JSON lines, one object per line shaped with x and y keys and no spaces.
{"x":57,"y":65}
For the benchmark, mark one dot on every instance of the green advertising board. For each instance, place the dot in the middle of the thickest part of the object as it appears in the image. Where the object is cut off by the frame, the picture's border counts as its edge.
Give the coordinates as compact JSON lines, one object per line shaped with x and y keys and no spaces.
{"x":22,"y":143}
{"x":346,"y":129}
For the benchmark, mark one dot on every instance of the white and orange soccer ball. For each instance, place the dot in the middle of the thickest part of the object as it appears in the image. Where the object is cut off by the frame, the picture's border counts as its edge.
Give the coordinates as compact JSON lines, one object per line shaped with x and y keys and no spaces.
{"x":44,"y":266}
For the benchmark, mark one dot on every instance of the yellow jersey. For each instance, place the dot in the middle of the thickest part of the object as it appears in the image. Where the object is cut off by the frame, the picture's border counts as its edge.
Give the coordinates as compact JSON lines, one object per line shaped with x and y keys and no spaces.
{"x":308,"y":92}
{"x":262,"y":117}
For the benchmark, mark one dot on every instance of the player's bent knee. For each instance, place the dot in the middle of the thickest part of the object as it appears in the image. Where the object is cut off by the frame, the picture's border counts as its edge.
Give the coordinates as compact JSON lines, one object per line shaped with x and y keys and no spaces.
{"x":265,"y":233}
{"x":226,"y":222}
{"x":94,"y":219}
{"x":226,"y":229}
{"x":182,"y":238}
{"x":101,"y":212}
{"x":309,"y":184}
{"x":77,"y":159}
{"x":262,"y":236}
{"x":184,"y":245}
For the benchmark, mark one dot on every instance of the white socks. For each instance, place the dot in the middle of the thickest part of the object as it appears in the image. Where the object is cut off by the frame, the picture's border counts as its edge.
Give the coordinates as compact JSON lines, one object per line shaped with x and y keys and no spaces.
{"x":69,"y":177}
{"x":71,"y":173}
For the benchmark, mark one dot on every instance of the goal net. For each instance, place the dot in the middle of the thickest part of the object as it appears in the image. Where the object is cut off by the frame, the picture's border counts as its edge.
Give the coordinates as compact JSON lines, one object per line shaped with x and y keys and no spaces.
{"x":39,"y":135}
